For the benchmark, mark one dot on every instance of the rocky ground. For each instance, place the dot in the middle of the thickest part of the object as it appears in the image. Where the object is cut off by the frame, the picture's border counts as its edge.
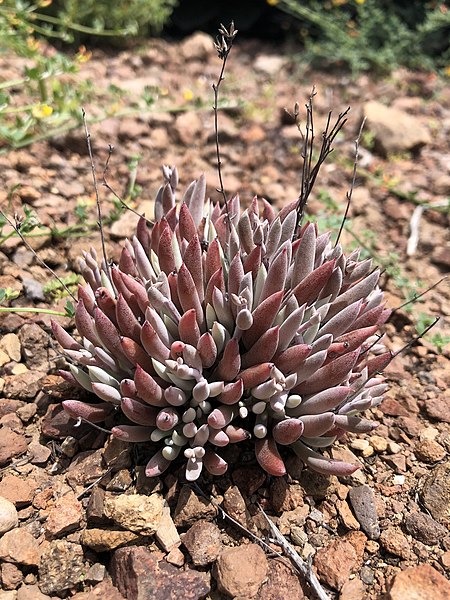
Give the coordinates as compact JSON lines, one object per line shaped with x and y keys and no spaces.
{"x":77,"y":517}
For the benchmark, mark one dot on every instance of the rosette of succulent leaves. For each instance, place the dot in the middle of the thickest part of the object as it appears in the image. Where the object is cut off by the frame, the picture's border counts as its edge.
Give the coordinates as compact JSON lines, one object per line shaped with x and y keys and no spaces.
{"x":220,"y":326}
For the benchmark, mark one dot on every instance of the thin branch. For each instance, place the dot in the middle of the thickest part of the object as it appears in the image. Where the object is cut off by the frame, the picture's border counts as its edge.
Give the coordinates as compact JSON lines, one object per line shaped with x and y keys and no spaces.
{"x":94,"y":483}
{"x":226,"y":516}
{"x":415,"y":339}
{"x":114,"y":193}
{"x":310,"y":171}
{"x":44,"y":311}
{"x":349,"y":193}
{"x":223,"y":45}
{"x":97,"y":197}
{"x":304,"y":568}
{"x":16,"y":227}
{"x":300,"y":566}
{"x":417,"y":296}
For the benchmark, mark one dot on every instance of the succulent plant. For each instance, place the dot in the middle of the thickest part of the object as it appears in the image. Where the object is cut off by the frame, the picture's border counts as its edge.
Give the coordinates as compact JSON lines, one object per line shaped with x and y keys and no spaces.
{"x":219,"y":326}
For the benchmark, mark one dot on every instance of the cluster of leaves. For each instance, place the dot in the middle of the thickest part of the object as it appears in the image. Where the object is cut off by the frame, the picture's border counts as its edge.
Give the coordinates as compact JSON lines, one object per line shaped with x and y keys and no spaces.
{"x":373,"y":35}
{"x":330,"y":217}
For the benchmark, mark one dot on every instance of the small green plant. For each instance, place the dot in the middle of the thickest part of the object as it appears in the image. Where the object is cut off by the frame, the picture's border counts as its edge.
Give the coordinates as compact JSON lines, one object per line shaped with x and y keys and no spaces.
{"x":55,"y":289}
{"x":372,"y":35}
{"x":7,"y":294}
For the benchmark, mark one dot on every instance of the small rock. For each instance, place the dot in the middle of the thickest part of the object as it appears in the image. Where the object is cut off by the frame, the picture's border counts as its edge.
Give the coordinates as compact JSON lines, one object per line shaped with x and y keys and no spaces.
{"x":393,"y":447}
{"x":117,"y":454}
{"x":34,"y":342}
{"x":139,"y":576}
{"x":167,"y":534}
{"x":11,"y":576}
{"x":31,"y":592}
{"x":189,"y":128}
{"x":445,"y":559}
{"x":363,"y":503}
{"x":95,"y":508}
{"x":436,"y":493}
{"x":203,"y":542}
{"x":398,"y":462}
{"x":103,"y":590}
{"x":248,"y":479}
{"x":234,"y":505}
{"x":359,"y":444}
{"x":105,"y":540}
{"x":11,"y":595}
{"x":18,"y":491}
{"x":282,"y":582}
{"x":175,"y":557}
{"x":393,"y":408}
{"x":8,"y":406}
{"x":120,"y":482}
{"x":429,"y":451}
{"x":138,"y":513}
{"x":34,"y":290}
{"x":342,"y":557}
{"x":39,"y":454}
{"x":438,"y":407}
{"x":241,"y":571}
{"x":285,"y":496}
{"x":378,"y":443}
{"x":346,"y":515}
{"x":13,"y":444}
{"x":354,"y":589}
{"x":64,"y":517}
{"x":70,"y":446}
{"x":394,"y":130}
{"x":191,"y":507}
{"x":8,"y":515}
{"x":424,"y":528}
{"x":61,"y":567}
{"x":199,"y":46}
{"x":270,"y":64}
{"x":419,"y":583}
{"x":394,"y":542}
{"x":96,"y":573}
{"x":428,"y":433}
{"x":10,"y":344}
{"x":27,"y":412}
{"x":20,"y":547}
{"x":292,"y":518}
{"x":86,"y":468}
{"x":24,"y":385}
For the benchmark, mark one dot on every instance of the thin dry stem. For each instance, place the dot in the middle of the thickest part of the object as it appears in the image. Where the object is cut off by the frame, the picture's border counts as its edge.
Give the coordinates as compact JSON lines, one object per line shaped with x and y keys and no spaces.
{"x":310,"y":171}
{"x":115,"y":194}
{"x":97,"y":197}
{"x":16,"y":227}
{"x":349,"y":193}
{"x":223,"y":45}
{"x":303,"y":567}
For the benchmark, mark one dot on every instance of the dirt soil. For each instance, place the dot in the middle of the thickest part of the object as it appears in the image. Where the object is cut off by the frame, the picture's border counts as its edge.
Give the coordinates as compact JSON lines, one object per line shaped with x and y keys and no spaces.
{"x":61,"y":478}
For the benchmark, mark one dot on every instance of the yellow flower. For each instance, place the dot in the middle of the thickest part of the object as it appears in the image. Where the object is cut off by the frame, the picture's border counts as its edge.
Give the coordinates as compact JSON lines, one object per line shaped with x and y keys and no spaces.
{"x":41,"y":111}
{"x":44,"y":3}
{"x":272,"y":2}
{"x":447,"y":71}
{"x":32,"y":43}
{"x":188,"y":95}
{"x":83,"y":55}
{"x":360,"y":1}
